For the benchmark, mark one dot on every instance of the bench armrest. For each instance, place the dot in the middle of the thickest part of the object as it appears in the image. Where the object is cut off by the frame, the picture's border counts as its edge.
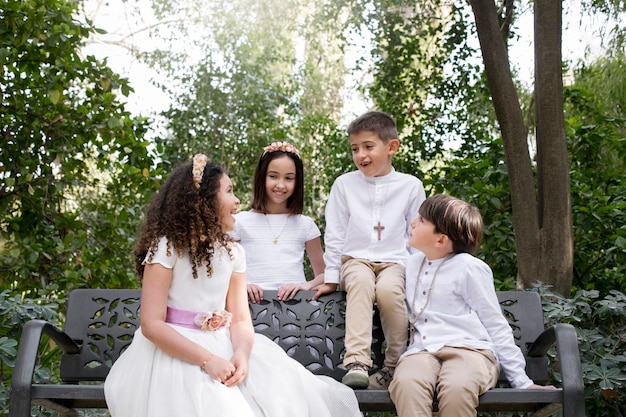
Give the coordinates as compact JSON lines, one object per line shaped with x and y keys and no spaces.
{"x":21,"y":381}
{"x":564,"y":335}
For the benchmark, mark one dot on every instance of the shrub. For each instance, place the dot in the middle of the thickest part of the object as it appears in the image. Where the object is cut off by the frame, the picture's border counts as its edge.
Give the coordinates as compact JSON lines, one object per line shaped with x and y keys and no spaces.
{"x":601,"y":328}
{"x":15,"y":310}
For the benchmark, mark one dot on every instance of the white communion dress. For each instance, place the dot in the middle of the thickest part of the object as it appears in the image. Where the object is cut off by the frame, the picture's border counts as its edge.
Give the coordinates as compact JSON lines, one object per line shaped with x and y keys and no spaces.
{"x":146,"y":382}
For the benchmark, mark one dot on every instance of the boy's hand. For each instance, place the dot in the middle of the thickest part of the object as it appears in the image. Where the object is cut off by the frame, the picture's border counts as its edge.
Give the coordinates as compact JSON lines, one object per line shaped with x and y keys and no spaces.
{"x":535,"y":386}
{"x":325,"y":288}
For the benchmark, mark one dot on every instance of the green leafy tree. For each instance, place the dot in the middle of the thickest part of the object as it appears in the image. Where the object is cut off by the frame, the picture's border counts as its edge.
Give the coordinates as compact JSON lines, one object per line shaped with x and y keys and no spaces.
{"x":426,"y":74}
{"x":596,"y":130}
{"x":260,"y":72}
{"x":540,"y":184}
{"x":74,"y":169}
{"x":540,"y":199}
{"x":596,"y":149}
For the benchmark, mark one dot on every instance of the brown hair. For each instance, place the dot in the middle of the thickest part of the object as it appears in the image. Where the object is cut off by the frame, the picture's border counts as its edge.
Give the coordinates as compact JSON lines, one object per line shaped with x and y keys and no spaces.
{"x":295,"y":202}
{"x":376,"y":122}
{"x":187,"y":216}
{"x":455,"y":218}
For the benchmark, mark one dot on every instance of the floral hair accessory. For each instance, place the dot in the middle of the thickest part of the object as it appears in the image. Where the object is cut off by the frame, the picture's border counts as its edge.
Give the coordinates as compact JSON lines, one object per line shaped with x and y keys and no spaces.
{"x":213,"y":320}
{"x":199,"y":162}
{"x":281,"y":146}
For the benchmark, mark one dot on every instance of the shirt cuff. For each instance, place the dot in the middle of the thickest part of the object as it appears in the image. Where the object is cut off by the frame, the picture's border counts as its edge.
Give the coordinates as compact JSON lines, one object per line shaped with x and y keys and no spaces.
{"x":523,"y":382}
{"x":331,"y":276}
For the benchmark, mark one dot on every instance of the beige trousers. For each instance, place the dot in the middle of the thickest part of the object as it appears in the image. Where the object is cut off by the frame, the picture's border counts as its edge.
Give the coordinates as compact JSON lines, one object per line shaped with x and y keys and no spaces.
{"x":458,"y":375}
{"x":367,"y":283}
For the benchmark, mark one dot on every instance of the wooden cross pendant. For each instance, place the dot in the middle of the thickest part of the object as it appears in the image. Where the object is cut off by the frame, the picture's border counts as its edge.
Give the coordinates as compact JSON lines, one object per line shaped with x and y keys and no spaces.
{"x":379,"y":228}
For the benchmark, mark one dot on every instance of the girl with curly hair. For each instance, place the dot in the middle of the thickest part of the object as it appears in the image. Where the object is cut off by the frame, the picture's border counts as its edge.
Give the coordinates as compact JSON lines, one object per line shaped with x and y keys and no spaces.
{"x":195,"y":353}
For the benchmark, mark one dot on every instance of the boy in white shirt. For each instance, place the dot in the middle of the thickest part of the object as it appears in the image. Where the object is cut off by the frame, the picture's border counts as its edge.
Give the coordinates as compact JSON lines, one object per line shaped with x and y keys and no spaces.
{"x":459,"y":336}
{"x":367,"y":223}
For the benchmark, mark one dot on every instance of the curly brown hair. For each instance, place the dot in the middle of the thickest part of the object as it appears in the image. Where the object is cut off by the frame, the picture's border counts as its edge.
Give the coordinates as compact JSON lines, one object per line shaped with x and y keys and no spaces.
{"x":187,"y":216}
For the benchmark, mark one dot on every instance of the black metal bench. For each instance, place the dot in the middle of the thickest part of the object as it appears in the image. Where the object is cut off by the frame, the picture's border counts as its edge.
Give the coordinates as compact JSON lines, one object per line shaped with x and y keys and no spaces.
{"x":100,"y":323}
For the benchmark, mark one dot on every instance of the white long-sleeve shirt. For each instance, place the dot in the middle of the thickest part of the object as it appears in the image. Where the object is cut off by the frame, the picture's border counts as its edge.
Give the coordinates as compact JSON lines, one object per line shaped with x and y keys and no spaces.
{"x":356,"y":205}
{"x":462,"y":311}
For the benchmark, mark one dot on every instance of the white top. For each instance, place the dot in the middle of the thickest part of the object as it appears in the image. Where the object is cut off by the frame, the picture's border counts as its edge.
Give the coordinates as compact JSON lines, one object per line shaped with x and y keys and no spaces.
{"x":358,"y":203}
{"x":271,"y":265}
{"x":223,"y":267}
{"x":463,"y":310}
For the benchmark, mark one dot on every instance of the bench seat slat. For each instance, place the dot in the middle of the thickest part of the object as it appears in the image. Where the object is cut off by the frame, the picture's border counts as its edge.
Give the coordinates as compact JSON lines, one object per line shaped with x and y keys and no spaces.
{"x":496,"y":399}
{"x":69,"y":392}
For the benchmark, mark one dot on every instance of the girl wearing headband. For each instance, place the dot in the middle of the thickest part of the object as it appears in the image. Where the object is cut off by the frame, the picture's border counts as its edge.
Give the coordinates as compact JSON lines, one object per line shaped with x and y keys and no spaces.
{"x":275,"y":233}
{"x":195,"y":353}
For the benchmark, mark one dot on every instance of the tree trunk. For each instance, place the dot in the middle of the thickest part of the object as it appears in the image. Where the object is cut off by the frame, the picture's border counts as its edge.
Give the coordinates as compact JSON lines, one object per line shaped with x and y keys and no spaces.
{"x":515,"y":139}
{"x":553,"y":181}
{"x":543,"y":231}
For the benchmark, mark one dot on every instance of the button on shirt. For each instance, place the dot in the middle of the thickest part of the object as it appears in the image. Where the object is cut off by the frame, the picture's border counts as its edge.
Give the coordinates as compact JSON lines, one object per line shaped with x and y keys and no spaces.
{"x":462,"y":311}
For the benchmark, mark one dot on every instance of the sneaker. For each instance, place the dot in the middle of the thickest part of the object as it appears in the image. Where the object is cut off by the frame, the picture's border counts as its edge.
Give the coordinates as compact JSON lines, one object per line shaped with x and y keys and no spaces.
{"x":357,"y":376}
{"x":380,"y":379}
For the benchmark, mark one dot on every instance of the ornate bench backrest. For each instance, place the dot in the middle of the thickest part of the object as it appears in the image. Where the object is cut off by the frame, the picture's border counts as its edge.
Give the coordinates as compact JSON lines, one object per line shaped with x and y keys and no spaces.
{"x":524,"y":312}
{"x":103,"y":322}
{"x":312,"y":332}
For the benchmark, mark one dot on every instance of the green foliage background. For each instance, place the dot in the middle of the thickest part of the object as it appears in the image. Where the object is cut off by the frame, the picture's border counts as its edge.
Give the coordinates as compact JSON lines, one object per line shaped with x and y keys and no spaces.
{"x":76,"y":168}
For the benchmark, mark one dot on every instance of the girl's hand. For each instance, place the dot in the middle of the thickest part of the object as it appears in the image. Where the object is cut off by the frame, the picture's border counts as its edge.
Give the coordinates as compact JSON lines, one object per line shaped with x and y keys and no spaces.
{"x":219,"y":369}
{"x":288,"y":291}
{"x":255,"y":293}
{"x":240,"y":363}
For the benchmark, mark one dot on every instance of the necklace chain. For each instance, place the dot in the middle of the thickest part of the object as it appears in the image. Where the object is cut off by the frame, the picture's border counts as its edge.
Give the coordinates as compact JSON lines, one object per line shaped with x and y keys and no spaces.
{"x":416,"y":317}
{"x":272,"y":230}
{"x":378,"y":208}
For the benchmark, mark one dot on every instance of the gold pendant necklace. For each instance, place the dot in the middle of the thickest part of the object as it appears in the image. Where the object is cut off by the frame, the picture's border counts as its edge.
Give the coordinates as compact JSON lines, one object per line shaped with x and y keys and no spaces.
{"x":416,"y":317}
{"x":272,"y":230}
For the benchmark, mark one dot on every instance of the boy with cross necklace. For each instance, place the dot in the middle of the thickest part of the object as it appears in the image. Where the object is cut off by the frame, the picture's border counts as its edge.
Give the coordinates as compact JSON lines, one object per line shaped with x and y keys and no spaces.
{"x":368,"y":217}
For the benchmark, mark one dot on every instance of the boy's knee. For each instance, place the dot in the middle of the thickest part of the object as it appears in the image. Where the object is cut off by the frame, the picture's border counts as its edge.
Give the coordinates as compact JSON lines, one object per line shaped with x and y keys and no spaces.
{"x":384,"y":292}
{"x":454,"y":392}
{"x":409,"y":377}
{"x":361,"y":285}
{"x":400,"y":384}
{"x":393,"y":284}
{"x":409,"y":384}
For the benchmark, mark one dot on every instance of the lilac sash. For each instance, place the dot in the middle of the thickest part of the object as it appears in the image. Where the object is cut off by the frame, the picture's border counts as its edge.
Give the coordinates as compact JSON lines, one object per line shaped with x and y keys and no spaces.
{"x":180,"y":317}
{"x":210,"y":321}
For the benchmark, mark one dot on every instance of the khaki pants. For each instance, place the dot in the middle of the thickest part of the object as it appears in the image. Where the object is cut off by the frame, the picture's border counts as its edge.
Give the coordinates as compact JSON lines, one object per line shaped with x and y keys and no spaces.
{"x":458,"y":375}
{"x":367,"y":283}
